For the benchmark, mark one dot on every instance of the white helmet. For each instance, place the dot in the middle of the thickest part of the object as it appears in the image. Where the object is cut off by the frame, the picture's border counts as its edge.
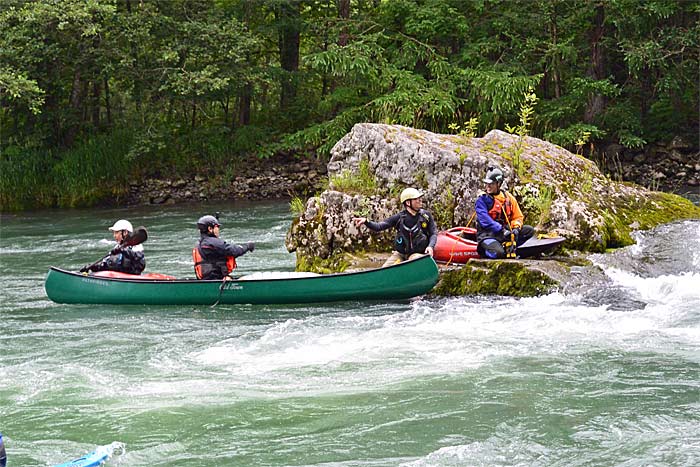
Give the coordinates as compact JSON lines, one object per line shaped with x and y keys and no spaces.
{"x":410,"y":193}
{"x":122,"y":224}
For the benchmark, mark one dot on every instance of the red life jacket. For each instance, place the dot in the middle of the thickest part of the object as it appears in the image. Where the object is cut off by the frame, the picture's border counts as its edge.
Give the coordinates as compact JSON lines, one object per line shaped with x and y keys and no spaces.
{"x":202,"y":268}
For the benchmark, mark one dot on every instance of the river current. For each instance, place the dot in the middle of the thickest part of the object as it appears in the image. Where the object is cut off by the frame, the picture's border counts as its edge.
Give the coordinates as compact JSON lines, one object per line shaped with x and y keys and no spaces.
{"x":604,"y":378}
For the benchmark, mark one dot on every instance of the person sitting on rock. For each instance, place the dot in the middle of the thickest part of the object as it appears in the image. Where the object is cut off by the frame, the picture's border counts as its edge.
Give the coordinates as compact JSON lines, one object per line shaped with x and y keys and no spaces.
{"x":499,"y":221}
{"x":416,"y":232}
{"x":213,"y":257}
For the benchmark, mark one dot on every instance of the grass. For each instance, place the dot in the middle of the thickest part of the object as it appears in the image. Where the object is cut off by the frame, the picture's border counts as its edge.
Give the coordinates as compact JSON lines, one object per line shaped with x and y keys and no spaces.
{"x":100,"y":168}
{"x":361,"y":182}
{"x":96,"y":170}
{"x":297,"y":206}
{"x":544,"y":203}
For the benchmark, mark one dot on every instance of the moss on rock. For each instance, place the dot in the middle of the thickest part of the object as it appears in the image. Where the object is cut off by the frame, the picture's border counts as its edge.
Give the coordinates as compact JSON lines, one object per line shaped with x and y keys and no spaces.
{"x":499,"y":277}
{"x":336,"y":262}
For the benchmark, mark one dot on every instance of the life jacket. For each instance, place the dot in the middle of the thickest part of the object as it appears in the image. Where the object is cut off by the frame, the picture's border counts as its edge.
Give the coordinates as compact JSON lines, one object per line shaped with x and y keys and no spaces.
{"x":133,"y":262}
{"x":412,"y":239}
{"x":203,"y":268}
{"x":127,"y":260}
{"x":501,"y":211}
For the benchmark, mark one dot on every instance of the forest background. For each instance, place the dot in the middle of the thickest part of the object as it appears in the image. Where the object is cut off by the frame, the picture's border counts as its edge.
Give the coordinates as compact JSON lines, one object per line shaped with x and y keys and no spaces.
{"x":98,"y":94}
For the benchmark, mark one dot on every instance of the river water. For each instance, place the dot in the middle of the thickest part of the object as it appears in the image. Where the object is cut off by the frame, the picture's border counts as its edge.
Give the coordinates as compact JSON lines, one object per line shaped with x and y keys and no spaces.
{"x":597,"y":379}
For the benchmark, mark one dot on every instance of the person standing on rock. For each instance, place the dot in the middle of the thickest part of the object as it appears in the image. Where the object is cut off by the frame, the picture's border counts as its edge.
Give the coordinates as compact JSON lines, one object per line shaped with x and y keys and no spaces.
{"x":416,"y":231}
{"x":213,"y":257}
{"x":499,"y":221}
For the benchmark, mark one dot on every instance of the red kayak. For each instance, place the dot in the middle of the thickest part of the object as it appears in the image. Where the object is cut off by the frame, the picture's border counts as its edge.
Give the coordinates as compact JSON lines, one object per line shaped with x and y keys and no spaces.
{"x":458,"y":245}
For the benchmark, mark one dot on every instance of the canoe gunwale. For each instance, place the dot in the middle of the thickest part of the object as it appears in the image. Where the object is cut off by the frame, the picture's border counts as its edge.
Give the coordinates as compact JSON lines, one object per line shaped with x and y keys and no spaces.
{"x":218,"y":281}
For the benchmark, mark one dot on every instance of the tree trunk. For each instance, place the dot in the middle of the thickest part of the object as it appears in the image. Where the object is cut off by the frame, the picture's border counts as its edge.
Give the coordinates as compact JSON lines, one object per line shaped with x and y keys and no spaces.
{"x":244,"y":104}
{"x":108,"y":104}
{"x":289,"y":17}
{"x":75,"y":106}
{"x":596,"y":102}
{"x":194,"y":113}
{"x":344,"y":15}
{"x":556,"y":63}
{"x":95,"y":103}
{"x":331,"y":83}
{"x":226,"y":105}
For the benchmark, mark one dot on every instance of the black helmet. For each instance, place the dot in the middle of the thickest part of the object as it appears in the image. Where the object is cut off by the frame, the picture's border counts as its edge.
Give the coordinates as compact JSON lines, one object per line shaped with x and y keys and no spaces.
{"x":494,"y":174}
{"x":205,"y":222}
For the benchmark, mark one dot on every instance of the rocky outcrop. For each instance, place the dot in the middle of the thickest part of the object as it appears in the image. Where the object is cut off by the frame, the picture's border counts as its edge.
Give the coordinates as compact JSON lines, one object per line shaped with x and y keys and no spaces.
{"x":558,"y":191}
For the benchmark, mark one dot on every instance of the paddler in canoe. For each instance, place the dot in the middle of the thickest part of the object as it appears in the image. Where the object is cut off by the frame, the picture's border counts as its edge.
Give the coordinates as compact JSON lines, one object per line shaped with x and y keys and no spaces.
{"x":128,"y":256}
{"x":499,"y":220}
{"x":213,"y":257}
{"x":416,"y":231}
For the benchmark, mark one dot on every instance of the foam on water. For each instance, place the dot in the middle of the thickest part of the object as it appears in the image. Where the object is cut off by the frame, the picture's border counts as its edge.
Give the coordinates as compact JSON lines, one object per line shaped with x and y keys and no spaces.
{"x":655,"y":440}
{"x":546,"y":381}
{"x":443,"y":337}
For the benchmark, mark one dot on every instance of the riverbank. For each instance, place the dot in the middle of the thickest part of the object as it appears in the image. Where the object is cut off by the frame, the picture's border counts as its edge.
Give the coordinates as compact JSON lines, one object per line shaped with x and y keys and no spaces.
{"x":673,"y":167}
{"x":255,"y":179}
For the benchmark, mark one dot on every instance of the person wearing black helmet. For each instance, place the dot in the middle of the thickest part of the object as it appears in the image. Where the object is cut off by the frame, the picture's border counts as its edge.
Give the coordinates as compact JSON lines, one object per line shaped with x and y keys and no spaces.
{"x":416,"y":231}
{"x":499,"y":220}
{"x":213,"y":257}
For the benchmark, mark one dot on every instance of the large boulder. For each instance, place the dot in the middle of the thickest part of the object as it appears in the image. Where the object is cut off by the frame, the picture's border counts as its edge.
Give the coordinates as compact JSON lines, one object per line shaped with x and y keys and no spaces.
{"x":558,"y":191}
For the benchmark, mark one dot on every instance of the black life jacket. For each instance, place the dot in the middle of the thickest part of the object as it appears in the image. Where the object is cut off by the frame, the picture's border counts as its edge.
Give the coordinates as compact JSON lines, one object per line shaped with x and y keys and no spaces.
{"x":413,"y":239}
{"x":127,"y":260}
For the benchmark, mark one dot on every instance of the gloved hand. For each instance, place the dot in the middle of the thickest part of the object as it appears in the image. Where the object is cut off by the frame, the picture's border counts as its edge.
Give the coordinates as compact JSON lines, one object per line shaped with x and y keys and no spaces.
{"x":85,"y":268}
{"x":116,"y":250}
{"x":251,"y":246}
{"x":506,"y":234}
{"x":516,"y":232}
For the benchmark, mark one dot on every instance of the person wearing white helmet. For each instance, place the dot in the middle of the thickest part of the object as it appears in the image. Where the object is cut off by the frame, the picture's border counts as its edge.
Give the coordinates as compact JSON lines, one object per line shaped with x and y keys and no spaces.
{"x":416,"y":231}
{"x":499,"y":220}
{"x":122,"y":258}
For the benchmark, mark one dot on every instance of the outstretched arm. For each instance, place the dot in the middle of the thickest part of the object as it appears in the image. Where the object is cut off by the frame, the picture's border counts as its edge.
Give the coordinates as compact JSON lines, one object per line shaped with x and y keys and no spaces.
{"x":377,"y":226}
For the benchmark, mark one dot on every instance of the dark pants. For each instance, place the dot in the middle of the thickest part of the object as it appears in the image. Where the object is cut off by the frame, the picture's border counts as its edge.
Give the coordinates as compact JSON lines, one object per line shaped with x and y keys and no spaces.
{"x":492,"y":247}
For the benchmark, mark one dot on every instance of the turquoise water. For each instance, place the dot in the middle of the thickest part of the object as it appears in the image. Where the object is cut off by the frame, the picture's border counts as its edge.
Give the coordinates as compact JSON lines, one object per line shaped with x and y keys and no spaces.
{"x":609,"y":377}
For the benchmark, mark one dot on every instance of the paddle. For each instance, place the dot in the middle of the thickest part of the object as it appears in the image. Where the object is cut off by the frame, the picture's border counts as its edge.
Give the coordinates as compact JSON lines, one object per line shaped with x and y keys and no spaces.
{"x":138,"y":237}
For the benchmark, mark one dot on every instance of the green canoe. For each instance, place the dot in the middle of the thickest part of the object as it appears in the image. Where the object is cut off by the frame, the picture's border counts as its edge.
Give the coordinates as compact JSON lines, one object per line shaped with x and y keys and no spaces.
{"x":401,"y":281}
